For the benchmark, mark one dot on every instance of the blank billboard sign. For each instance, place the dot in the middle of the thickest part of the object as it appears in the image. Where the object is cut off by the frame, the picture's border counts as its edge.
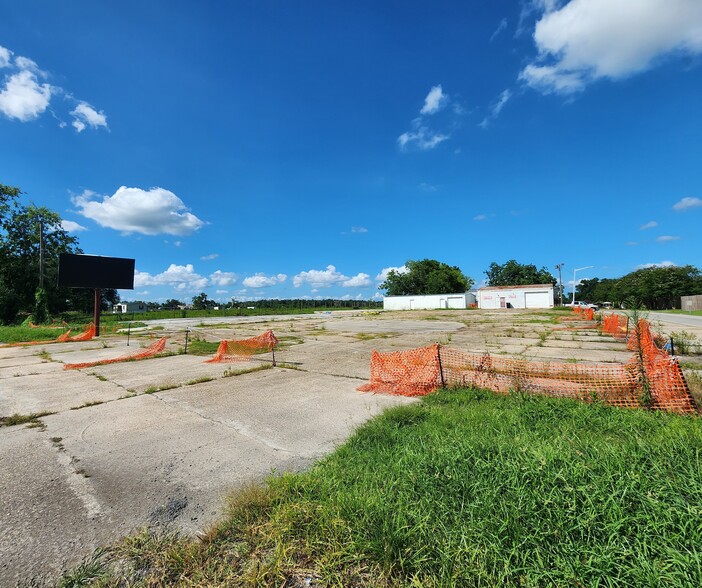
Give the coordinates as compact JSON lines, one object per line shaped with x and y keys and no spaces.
{"x":94,"y":271}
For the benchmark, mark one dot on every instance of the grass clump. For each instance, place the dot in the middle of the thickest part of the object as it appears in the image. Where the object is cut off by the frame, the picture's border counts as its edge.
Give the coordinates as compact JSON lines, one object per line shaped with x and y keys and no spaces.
{"x":31,"y":419}
{"x":464,"y":488}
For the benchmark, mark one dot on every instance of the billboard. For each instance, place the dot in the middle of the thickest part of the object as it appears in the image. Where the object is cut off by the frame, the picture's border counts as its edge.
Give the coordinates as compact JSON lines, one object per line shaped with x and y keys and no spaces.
{"x":94,"y":271}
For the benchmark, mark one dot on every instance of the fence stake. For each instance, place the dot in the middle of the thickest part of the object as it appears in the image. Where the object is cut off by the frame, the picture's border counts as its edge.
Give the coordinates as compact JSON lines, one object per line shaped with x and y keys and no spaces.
{"x":273,"y":350}
{"x":129,"y":331}
{"x":187,"y":332}
{"x":441,"y":369}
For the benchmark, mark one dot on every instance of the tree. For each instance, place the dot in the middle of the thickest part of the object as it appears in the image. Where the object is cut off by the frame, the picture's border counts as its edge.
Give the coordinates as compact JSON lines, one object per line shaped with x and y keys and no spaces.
{"x":427,"y":276}
{"x":19,"y":261}
{"x":658,"y":287}
{"x":201,"y":302}
{"x":512,"y":273}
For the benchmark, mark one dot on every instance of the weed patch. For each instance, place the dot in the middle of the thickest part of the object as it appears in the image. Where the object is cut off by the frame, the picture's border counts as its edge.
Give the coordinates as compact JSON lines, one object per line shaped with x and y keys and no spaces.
{"x":22,"y":419}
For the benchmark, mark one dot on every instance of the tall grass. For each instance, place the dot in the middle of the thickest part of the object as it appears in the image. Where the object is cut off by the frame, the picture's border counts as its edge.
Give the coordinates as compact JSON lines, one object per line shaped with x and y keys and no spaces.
{"x":463,"y":489}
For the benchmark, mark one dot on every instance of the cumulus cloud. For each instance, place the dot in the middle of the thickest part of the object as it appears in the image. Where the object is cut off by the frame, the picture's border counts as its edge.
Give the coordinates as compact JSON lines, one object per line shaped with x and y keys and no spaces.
{"x":661,"y":264}
{"x":25,"y":95}
{"x":648,"y":225}
{"x":585,"y":40}
{"x":330,"y":277}
{"x":133,"y":210}
{"x":687,"y":203}
{"x":85,"y":116}
{"x":72,"y":227}
{"x":358,"y":281}
{"x":667,"y":238}
{"x":261,"y":280}
{"x":220,"y":278}
{"x":435,"y":101}
{"x":181,"y":277}
{"x":383,"y":275}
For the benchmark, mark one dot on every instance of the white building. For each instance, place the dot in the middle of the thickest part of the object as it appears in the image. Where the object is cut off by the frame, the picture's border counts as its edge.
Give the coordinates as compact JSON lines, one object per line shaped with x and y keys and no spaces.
{"x":531,"y":296}
{"x":429,"y":301}
{"x":125,"y":307}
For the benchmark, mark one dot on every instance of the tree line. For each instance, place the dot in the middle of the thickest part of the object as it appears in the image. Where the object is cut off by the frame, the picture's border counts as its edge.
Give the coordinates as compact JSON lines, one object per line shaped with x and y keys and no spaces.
{"x":23,"y":228}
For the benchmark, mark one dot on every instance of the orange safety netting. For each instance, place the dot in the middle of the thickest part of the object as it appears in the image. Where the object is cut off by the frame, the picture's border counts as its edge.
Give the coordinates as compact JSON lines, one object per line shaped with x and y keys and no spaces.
{"x":154,"y":349}
{"x":420,"y":371}
{"x":244,"y":349}
{"x":407,"y":373}
{"x":615,"y":325}
{"x":86,"y":335}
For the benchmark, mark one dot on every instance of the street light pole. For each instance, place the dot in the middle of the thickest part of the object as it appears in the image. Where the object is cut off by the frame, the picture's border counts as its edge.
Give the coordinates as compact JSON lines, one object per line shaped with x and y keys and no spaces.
{"x":575,"y":271}
{"x":560,"y":282}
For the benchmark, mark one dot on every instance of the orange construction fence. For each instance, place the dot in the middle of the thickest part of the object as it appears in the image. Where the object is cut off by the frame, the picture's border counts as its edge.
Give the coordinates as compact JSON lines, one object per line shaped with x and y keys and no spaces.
{"x":244,"y":349}
{"x":86,"y":335}
{"x":154,"y":349}
{"x":650,"y":378}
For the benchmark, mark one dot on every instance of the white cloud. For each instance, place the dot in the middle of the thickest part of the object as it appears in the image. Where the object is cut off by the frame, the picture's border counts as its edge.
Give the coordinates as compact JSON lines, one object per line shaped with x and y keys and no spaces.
{"x":667,"y":238}
{"x":427,"y":187}
{"x":359,"y":230}
{"x":72,"y":227}
{"x":23,"y":97}
{"x":377,"y":296}
{"x":500,"y":27}
{"x":435,"y":101}
{"x":421,"y":137}
{"x":220,"y":278}
{"x":85,"y":115}
{"x":585,"y":40}
{"x":132,"y":210}
{"x":687,"y":203}
{"x":358,"y":281}
{"x":182,"y":277}
{"x":480,"y":217}
{"x":5,"y":56}
{"x":261,"y":280}
{"x":383,"y":275}
{"x":330,"y":277}
{"x":210,"y":257}
{"x":632,"y":243}
{"x":661,"y":264}
{"x":319,"y":278}
{"x":648,"y":225}
{"x":496,"y":108}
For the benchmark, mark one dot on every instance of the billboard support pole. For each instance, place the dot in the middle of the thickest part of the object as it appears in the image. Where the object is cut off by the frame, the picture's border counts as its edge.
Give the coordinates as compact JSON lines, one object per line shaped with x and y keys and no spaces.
{"x":96,"y":313}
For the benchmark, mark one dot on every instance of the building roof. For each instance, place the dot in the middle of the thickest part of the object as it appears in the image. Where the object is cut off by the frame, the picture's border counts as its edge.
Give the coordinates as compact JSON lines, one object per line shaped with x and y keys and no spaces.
{"x":523,"y":287}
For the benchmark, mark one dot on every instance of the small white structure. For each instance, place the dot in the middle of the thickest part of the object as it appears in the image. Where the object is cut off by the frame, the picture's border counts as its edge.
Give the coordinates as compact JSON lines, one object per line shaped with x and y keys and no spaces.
{"x":428,"y":301}
{"x":531,"y":296}
{"x":125,"y":307}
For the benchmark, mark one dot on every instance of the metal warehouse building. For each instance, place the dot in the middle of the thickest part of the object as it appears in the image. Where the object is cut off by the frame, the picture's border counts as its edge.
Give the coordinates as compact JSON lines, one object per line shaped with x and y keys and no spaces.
{"x":429,"y":301}
{"x":531,"y":296}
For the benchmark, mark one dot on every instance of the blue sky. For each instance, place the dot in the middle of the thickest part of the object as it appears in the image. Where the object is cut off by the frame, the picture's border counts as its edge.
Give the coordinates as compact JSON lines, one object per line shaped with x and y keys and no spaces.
{"x":254,"y":149}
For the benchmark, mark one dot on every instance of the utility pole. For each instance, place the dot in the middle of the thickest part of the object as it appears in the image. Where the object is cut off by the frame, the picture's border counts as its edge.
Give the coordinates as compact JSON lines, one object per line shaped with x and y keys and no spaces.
{"x":560,"y":282}
{"x":41,"y":252}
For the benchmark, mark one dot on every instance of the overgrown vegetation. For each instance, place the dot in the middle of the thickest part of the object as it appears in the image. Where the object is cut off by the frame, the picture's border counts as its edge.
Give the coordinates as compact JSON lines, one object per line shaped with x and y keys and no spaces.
{"x":23,"y":419}
{"x":464,"y":488}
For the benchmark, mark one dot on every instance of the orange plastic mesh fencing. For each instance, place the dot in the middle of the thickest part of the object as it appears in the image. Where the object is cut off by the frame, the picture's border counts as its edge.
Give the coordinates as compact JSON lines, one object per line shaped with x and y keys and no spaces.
{"x":244,"y":349}
{"x":86,"y":335}
{"x":420,"y":371}
{"x":615,"y":325}
{"x":406,"y":373}
{"x":154,"y":349}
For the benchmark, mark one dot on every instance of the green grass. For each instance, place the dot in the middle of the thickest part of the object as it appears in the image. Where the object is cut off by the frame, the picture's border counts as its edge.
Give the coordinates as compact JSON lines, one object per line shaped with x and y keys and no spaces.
{"x":200,"y":347}
{"x":462,"y":489}
{"x":25,"y":334}
{"x":23,"y":419}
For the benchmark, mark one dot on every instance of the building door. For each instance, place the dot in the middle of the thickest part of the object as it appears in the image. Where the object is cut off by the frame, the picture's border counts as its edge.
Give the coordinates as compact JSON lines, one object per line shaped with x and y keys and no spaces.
{"x":503,"y":302}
